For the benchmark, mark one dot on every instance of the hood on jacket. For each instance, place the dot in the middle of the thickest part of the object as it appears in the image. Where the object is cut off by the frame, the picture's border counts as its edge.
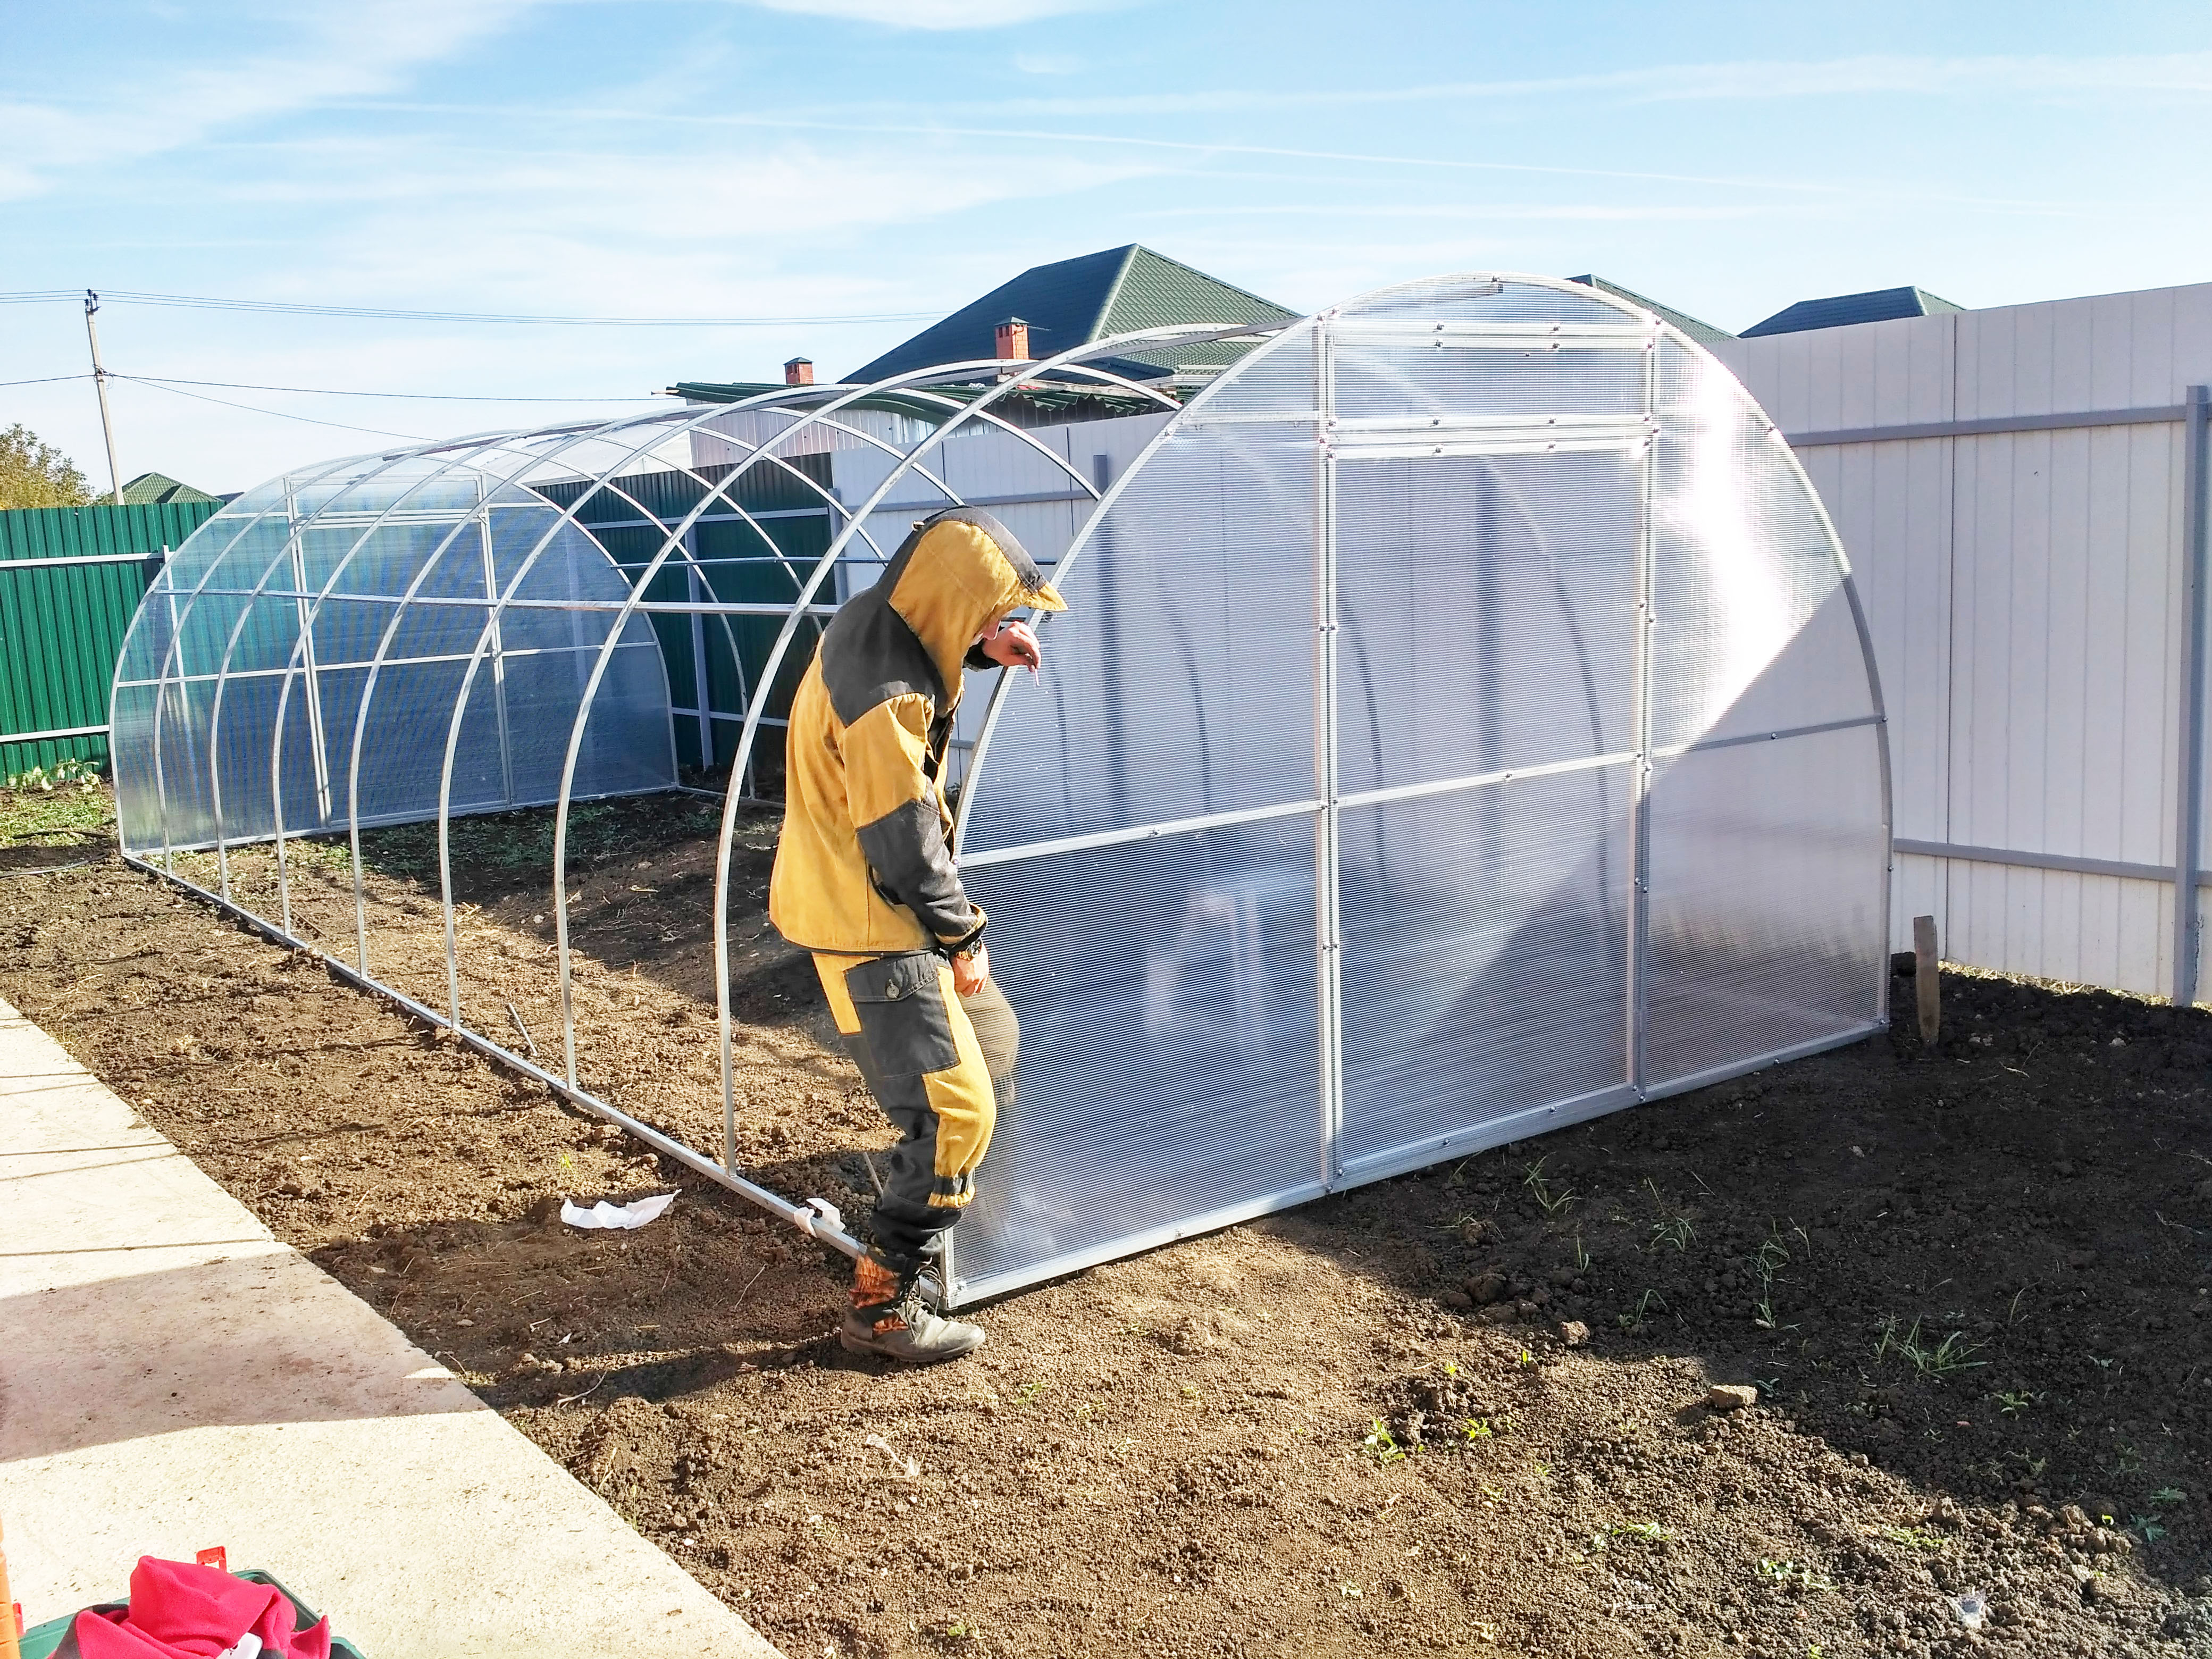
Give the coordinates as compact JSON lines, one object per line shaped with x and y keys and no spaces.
{"x":958,"y":570}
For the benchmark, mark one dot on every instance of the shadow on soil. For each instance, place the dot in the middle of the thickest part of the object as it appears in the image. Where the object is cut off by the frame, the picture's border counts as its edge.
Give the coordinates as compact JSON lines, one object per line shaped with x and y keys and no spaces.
{"x":1982,"y":1264}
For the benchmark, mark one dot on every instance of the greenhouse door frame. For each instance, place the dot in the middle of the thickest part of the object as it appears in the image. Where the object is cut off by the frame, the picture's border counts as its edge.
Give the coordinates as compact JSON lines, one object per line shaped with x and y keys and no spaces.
{"x":1414,"y":440}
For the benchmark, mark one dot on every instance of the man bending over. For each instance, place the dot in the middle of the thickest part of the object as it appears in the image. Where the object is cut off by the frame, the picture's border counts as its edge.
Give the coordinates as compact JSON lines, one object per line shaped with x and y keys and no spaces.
{"x":864,"y":880}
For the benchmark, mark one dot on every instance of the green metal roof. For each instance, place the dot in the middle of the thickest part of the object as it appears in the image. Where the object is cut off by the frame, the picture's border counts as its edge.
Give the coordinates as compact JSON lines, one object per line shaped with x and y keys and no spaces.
{"x":158,"y":489}
{"x":1071,"y":301}
{"x":1702,"y":332}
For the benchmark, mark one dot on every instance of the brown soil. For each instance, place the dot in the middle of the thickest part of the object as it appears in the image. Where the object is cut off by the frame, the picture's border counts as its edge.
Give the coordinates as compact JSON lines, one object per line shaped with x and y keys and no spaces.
{"x":1460,"y":1411}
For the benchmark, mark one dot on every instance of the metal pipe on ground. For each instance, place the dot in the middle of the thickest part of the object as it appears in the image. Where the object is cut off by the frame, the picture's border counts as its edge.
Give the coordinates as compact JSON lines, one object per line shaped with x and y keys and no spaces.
{"x":806,"y":1218}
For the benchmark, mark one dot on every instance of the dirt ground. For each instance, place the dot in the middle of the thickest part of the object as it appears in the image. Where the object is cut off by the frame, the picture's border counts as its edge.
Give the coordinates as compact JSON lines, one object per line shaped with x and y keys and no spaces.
{"x":1460,"y":1411}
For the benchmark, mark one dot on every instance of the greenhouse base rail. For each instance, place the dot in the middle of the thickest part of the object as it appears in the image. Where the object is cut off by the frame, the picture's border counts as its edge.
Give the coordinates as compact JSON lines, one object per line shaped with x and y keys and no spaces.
{"x":1397,"y":1161}
{"x":814,"y":1217}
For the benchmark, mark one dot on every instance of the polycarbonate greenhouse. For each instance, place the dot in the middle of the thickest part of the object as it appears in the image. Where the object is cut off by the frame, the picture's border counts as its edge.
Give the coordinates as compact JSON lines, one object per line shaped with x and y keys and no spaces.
{"x":1464,"y":726}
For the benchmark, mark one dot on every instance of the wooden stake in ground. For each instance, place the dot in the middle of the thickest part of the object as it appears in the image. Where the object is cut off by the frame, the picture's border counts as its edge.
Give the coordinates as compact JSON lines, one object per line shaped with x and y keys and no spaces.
{"x":1926,"y":977}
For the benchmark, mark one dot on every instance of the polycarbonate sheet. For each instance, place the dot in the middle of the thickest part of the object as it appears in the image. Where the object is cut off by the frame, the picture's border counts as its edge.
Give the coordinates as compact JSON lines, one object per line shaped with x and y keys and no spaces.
{"x":1166,"y":992}
{"x":1766,"y":928}
{"x":1471,"y":299}
{"x":1754,"y":631}
{"x":131,"y":765}
{"x":265,"y":637}
{"x":1421,"y":378}
{"x":260,"y":677}
{"x":622,"y":753}
{"x":1486,"y":612}
{"x":178,"y":731}
{"x":1180,"y":680}
{"x":1486,"y":955}
{"x":243,"y":732}
{"x":1277,"y":379}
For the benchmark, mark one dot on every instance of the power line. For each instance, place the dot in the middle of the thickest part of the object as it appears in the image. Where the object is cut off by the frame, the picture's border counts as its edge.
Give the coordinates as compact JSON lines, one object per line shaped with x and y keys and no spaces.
{"x":179,"y":392}
{"x":283,"y":308}
{"x":332,"y":391}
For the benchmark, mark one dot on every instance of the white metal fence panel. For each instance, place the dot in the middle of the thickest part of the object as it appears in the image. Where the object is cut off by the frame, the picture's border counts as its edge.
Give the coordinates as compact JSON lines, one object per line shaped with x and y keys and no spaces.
{"x":2025,"y":590}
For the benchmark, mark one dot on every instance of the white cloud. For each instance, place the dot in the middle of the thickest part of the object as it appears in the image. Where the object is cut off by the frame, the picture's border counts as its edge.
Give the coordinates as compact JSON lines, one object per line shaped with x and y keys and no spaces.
{"x":2175,"y":72}
{"x":936,"y":13}
{"x":355,"y":50}
{"x":692,"y":231}
{"x":1492,"y":212}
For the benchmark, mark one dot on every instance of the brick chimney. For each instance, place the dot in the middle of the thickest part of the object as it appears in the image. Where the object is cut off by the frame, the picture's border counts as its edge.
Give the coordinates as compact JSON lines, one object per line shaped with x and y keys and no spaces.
{"x":800,"y":371}
{"x":1014,"y":339}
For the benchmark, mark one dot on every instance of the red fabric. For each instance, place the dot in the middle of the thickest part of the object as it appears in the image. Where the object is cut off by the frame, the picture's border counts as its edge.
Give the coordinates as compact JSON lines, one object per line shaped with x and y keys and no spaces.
{"x":180,"y":1610}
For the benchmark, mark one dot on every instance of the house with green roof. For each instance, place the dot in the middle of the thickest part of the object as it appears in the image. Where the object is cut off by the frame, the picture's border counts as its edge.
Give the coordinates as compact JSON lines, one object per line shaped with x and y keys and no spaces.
{"x":159,"y":490}
{"x":1093,"y":296}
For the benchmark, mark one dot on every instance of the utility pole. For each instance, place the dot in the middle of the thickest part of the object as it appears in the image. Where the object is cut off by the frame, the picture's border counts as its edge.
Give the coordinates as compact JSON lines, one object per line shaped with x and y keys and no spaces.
{"x":100,"y":379}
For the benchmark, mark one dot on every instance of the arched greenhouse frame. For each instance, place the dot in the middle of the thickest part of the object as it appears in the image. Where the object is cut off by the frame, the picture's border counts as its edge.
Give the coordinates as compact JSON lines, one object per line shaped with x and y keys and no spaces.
{"x":1464,"y":725}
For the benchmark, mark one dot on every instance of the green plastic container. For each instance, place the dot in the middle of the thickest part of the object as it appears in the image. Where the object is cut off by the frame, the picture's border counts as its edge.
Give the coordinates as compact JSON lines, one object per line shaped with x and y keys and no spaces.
{"x":39,"y":1643}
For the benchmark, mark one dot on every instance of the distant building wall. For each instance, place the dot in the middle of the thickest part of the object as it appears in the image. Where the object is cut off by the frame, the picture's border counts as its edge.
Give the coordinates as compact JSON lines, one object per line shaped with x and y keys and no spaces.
{"x":2014,"y":488}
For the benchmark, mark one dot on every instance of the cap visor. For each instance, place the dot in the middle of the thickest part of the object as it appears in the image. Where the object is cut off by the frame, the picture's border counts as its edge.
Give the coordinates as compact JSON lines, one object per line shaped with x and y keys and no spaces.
{"x":1046,"y":597}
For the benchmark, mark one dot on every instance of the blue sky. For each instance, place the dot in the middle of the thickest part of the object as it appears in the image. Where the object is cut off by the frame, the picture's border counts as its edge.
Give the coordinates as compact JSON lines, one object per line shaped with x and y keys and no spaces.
{"x":834,"y":159}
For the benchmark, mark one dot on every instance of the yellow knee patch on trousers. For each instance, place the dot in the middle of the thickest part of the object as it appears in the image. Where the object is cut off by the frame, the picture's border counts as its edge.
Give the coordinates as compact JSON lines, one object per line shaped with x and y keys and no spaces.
{"x":966,"y":1105}
{"x":962,"y":1095}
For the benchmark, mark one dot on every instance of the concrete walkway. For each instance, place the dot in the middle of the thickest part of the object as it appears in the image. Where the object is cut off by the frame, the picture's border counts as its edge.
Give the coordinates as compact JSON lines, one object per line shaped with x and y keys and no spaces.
{"x":172,"y":1377}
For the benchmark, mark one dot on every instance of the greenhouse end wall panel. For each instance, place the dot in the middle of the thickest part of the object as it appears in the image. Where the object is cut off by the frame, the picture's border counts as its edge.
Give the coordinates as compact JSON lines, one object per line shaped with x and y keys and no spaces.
{"x":1463,"y":724}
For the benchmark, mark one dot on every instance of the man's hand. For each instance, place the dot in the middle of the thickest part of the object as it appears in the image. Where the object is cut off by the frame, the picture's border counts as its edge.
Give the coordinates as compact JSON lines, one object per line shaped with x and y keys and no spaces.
{"x":1012,"y":645}
{"x":969,"y":972}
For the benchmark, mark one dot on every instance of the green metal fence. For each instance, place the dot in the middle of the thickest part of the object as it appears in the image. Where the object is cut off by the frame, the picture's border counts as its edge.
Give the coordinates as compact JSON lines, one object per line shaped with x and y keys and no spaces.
{"x":69,"y":579}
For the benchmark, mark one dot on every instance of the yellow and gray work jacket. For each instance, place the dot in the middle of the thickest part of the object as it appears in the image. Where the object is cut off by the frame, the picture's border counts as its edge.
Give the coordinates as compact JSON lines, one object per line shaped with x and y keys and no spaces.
{"x":864,"y":866}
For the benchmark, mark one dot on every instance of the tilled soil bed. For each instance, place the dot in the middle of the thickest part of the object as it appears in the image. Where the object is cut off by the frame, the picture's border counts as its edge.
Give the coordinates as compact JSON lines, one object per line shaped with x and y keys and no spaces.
{"x":1464,"y":1412}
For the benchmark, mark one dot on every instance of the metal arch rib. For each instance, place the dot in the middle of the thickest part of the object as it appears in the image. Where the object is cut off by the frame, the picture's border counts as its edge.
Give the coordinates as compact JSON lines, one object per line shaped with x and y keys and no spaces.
{"x":671,"y":541}
{"x":376,"y":666}
{"x":300,"y":647}
{"x":214,"y":770}
{"x":756,"y":708}
{"x":516,"y":444}
{"x":663,"y":429}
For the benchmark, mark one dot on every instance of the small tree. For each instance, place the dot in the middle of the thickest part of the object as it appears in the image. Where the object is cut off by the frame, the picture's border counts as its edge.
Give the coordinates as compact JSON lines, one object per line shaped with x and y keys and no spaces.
{"x":33,"y":473}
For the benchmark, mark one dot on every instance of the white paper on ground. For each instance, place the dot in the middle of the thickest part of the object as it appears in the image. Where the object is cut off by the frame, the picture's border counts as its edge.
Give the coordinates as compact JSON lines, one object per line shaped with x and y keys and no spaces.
{"x":604,"y":1214}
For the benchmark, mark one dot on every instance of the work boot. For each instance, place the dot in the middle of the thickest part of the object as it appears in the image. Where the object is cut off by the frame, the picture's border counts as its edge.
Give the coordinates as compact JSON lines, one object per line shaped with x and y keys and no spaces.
{"x":890,"y":1320}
